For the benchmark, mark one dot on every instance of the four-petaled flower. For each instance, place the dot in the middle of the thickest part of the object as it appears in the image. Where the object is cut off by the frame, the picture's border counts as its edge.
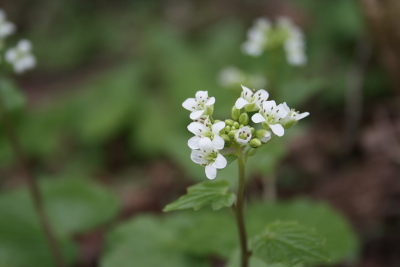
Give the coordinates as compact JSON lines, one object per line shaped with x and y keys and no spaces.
{"x":199,"y":106}
{"x":251,"y":101}
{"x":6,"y":27}
{"x":208,"y":157}
{"x":243,"y":135}
{"x":201,"y":130}
{"x":271,"y":115}
{"x":292,"y":117}
{"x":21,"y":57}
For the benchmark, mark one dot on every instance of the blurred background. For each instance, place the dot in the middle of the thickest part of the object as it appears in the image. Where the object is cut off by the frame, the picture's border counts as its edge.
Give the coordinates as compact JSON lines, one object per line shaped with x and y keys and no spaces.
{"x":102,"y":124}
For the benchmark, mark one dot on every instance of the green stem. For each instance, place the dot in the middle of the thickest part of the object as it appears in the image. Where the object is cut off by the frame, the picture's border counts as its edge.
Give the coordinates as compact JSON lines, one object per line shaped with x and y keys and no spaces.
{"x":245,"y":253}
{"x":32,"y":185}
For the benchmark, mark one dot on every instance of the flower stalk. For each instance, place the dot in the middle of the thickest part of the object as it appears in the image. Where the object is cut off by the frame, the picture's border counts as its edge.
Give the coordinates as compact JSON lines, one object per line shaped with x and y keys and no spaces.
{"x":32,"y":185}
{"x":245,"y":253}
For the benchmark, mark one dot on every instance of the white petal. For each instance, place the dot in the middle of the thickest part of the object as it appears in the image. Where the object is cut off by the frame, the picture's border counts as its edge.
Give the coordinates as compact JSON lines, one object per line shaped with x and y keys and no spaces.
{"x":24,"y":45}
{"x":211,"y":172}
{"x":261,"y":95}
{"x":268,"y":105}
{"x":206,"y":145}
{"x":277,"y":129}
{"x":198,"y":157}
{"x":210,"y":101}
{"x":196,"y":114}
{"x":190,"y":104}
{"x":302,"y":115}
{"x":217,"y":127}
{"x":282,"y":111}
{"x":257,"y":118}
{"x":220,"y":162}
{"x":11,"y":55}
{"x":286,"y":107}
{"x":240,"y":103}
{"x":197,"y":128}
{"x":193,"y":142}
{"x":201,"y":95}
{"x":218,"y":142}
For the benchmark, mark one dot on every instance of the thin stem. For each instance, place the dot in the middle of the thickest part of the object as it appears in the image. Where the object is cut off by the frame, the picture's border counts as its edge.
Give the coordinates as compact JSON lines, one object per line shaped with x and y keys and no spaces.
{"x":32,"y":185}
{"x":245,"y":253}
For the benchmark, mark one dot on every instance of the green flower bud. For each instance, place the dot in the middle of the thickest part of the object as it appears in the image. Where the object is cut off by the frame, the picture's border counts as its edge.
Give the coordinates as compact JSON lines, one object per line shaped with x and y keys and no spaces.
{"x":255,"y":142}
{"x":252,"y":130}
{"x":264,"y":135}
{"x":215,"y":121}
{"x":244,"y":118}
{"x":233,"y":128}
{"x":241,"y":126}
{"x":236,"y":125}
{"x":209,"y":110}
{"x":226,"y":138}
{"x":231,"y":134}
{"x":235,"y":113}
{"x":227,"y":129}
{"x":289,"y":124}
{"x":229,"y":122}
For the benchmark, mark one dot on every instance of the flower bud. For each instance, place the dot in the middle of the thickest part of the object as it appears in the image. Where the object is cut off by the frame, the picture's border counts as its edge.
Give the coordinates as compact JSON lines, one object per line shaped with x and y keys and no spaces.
{"x":244,"y":119}
{"x":233,"y":128}
{"x":236,"y":125}
{"x":229,"y":122}
{"x":252,"y":130}
{"x":264,"y":135}
{"x":215,"y":121}
{"x":235,"y":113}
{"x":227,"y":129}
{"x":226,"y":138}
{"x":231,"y":134}
{"x":209,"y":110}
{"x":255,"y":142}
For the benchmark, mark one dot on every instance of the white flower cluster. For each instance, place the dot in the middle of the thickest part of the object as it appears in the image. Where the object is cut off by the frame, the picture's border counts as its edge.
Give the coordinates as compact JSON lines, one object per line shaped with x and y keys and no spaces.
{"x":210,"y":136}
{"x":260,"y":34}
{"x":19,"y":57}
{"x":207,"y":141}
{"x":231,"y":77}
{"x":294,"y":44}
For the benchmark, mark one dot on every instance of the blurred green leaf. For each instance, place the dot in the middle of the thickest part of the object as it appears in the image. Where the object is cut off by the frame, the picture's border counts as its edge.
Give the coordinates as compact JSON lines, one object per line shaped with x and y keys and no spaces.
{"x":147,"y":241}
{"x":13,"y":98}
{"x":72,"y":206}
{"x":289,"y":243}
{"x":213,"y":192}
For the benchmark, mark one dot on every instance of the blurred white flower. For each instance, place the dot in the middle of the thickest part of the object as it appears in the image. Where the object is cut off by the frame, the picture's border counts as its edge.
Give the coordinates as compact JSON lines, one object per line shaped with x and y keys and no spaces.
{"x":6,"y":27}
{"x":294,"y":44}
{"x":257,"y":37}
{"x":231,"y":77}
{"x":21,"y":57}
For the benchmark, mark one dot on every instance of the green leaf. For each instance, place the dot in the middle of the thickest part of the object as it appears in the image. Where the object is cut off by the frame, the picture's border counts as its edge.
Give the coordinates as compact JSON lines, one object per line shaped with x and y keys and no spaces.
{"x":231,"y":157}
{"x":289,"y":243}
{"x":214,"y":193}
{"x":147,"y":241}
{"x":73,"y":206}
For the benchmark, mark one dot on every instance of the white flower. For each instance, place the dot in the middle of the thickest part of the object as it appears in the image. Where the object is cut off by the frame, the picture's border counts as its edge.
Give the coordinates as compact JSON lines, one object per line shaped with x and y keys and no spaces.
{"x":200,"y":105}
{"x":209,"y":157}
{"x":292,"y":117}
{"x":264,"y":135}
{"x":243,"y":135}
{"x":21,"y":57}
{"x":6,"y":28}
{"x":257,"y":37}
{"x":271,"y":115}
{"x":294,"y":44}
{"x":206,"y":131}
{"x":251,"y":101}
